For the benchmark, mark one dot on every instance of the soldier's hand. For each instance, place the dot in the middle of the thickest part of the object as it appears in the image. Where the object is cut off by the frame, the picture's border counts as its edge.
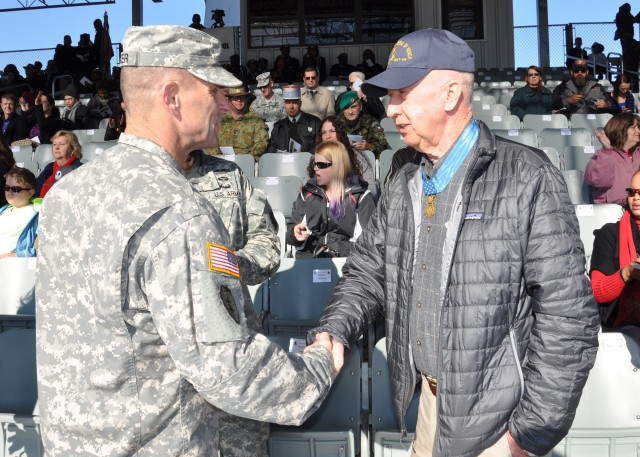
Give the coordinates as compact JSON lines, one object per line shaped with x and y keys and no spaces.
{"x":336,"y":348}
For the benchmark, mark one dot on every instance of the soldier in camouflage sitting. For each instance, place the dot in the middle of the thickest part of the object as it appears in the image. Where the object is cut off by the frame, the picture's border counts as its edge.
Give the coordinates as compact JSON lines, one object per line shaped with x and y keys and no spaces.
{"x":244,"y":131}
{"x":269,"y":106}
{"x":254,"y":241}
{"x":356,"y":122}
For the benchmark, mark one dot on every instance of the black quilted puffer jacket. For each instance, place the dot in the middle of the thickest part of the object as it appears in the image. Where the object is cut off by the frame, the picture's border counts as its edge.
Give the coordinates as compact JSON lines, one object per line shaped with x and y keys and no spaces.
{"x":519,"y":324}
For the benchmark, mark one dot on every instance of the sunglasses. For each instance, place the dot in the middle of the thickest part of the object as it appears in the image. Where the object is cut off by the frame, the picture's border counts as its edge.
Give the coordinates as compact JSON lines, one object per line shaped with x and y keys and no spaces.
{"x":236,"y":98}
{"x":530,"y":75}
{"x":581,"y":70}
{"x":631,"y":192}
{"x":310,"y":77}
{"x":14,"y":189}
{"x":322,"y":165}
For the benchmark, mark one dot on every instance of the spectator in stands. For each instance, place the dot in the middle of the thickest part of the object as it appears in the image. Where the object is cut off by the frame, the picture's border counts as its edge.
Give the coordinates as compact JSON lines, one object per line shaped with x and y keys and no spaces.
{"x":269,"y":106}
{"x":313,"y":59}
{"x":75,"y":115}
{"x":331,"y":129}
{"x":101,"y":105}
{"x":625,"y":27}
{"x":86,"y":58}
{"x":12,"y":79}
{"x":533,"y":98}
{"x":281,"y":73}
{"x":196,"y":22}
{"x":369,"y":66}
{"x":245,"y":131}
{"x":316,"y":100}
{"x":610,"y":169}
{"x":234,"y":67}
{"x":252,"y":72}
{"x":615,"y":264}
{"x":14,"y":126}
{"x":65,"y":56}
{"x":117,"y":122}
{"x":356,"y":122}
{"x":333,"y":206}
{"x":34,"y":78}
{"x":67,"y":153}
{"x":597,"y":56}
{"x":580,"y":95}
{"x":6,"y":163}
{"x":253,"y":234}
{"x":26,"y":102}
{"x":298,"y":130}
{"x":576,"y":53}
{"x":263,"y":65}
{"x":50,"y":74}
{"x":47,"y":117}
{"x":622,"y":95}
{"x":372,"y":106}
{"x":499,"y":324}
{"x":19,"y":217}
{"x":342,"y":69}
{"x":129,"y":236}
{"x":291,"y":63}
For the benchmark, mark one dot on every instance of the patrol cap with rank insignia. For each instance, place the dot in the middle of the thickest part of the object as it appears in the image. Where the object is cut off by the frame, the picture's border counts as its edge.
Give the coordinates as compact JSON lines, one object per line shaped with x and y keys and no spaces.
{"x":172,"y":46}
{"x":415,"y":55}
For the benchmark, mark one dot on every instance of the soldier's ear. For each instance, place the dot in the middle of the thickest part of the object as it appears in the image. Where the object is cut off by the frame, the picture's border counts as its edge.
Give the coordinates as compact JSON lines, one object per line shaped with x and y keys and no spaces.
{"x":171,"y":95}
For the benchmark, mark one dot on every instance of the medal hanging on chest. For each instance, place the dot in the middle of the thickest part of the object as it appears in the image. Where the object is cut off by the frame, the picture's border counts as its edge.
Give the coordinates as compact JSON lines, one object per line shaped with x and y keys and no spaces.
{"x":430,"y":210}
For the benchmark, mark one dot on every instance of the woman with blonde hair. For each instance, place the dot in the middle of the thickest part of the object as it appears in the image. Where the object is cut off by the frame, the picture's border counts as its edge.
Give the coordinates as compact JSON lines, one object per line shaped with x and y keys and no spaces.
{"x":67,"y":153}
{"x":332,"y":208}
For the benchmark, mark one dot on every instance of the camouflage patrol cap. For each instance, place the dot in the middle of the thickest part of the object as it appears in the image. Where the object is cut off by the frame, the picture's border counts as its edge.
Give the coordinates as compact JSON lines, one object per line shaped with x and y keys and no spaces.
{"x":173,"y":46}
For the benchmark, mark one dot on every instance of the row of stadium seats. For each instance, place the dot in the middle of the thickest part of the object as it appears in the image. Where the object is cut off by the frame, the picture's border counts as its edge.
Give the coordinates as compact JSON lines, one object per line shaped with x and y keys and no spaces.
{"x":357,"y":417}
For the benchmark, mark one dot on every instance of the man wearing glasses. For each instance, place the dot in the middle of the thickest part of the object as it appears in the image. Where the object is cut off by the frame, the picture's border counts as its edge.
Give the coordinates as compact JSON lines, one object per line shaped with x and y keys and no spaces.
{"x":316,"y":100}
{"x":579,"y":94}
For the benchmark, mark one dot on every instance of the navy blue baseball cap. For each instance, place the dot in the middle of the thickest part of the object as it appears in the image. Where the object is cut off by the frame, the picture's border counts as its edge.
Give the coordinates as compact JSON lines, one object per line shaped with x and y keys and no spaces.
{"x":415,"y":55}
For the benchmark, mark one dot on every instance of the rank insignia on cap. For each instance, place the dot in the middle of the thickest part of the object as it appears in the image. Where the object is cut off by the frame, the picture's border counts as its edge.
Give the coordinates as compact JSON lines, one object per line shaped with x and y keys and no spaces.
{"x":223,"y":260}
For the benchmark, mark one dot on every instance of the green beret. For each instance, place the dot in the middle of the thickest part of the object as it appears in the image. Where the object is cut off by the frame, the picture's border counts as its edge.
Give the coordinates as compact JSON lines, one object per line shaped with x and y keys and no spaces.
{"x":348,"y":99}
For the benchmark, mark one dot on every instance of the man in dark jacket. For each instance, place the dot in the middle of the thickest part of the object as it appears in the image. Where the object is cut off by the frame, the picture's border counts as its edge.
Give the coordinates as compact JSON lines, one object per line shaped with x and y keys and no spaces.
{"x":14,"y":127}
{"x":579,"y":94}
{"x":474,"y":259}
{"x":298,"y":130}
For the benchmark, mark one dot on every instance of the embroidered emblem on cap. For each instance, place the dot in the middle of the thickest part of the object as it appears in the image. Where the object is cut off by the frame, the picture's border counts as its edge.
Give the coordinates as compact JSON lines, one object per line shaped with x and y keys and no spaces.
{"x":223,"y":260}
{"x":408,"y":52}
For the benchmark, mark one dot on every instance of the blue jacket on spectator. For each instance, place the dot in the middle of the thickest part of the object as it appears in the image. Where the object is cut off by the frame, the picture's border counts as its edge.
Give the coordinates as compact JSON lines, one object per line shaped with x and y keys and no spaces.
{"x":26,"y":241}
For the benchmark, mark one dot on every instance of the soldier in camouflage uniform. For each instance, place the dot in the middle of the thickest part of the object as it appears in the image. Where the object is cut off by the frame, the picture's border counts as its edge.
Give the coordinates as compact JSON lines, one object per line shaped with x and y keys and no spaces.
{"x":269,"y":106}
{"x":245,"y":131}
{"x":254,"y":240}
{"x":357,"y":122}
{"x":141,"y":330}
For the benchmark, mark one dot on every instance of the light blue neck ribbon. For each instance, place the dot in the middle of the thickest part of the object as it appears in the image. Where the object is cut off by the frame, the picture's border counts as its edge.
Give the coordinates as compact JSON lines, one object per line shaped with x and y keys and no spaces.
{"x":458,"y":153}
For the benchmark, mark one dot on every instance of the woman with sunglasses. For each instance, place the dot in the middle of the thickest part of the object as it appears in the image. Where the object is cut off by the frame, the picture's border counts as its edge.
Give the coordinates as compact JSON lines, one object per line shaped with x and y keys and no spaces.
{"x":19,"y":218}
{"x":615,"y":264}
{"x":332,"y":208}
{"x":609,"y":170}
{"x":533,"y":98}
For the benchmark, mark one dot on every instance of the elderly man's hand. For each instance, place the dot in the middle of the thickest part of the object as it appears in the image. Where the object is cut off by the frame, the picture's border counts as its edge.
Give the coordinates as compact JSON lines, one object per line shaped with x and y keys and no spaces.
{"x":336,"y":348}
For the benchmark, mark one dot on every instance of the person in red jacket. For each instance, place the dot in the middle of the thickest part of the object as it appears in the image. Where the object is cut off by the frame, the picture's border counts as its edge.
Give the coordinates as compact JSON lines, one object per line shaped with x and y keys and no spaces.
{"x":615,"y":264}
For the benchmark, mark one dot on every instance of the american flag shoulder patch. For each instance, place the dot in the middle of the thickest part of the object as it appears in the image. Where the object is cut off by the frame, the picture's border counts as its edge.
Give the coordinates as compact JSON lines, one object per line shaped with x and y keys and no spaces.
{"x":223,"y":260}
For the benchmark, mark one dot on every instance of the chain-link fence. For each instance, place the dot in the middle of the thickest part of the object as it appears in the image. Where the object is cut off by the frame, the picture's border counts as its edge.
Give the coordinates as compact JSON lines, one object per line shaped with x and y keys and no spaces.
{"x":526,"y":41}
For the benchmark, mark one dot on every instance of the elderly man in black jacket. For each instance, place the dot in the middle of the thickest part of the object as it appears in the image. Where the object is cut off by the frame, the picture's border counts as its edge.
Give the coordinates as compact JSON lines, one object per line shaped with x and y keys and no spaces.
{"x":474,"y":260}
{"x":14,"y":126}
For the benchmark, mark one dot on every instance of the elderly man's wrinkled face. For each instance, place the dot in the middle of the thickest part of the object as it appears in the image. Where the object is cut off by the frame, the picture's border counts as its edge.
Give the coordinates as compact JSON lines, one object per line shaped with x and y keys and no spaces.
{"x":421,"y":124}
{"x":292,"y":107}
{"x":352,"y":113}
{"x":8,"y":106}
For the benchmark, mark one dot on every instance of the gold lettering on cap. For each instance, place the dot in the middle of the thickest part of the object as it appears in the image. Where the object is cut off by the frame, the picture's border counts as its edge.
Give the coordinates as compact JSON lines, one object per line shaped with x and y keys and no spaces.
{"x":398,"y":47}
